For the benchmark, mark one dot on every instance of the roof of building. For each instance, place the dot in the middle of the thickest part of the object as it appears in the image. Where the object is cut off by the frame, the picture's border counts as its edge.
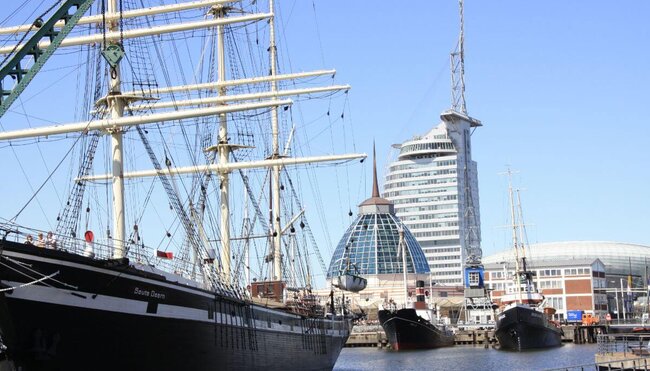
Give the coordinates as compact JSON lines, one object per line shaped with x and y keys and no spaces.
{"x":619,"y":258}
{"x":546,"y":263}
{"x":375,"y":199}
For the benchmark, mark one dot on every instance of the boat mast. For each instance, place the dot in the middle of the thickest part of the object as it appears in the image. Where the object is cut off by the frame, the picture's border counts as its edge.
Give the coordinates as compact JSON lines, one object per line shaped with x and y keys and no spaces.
{"x":117,"y":111}
{"x":523,"y":239}
{"x":515,"y":243}
{"x":402,"y":246}
{"x":275,"y":181}
{"x":224,"y":153}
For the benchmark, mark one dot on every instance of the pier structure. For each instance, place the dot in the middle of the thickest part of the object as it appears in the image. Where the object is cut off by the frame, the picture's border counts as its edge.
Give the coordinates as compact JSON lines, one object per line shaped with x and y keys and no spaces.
{"x":374,"y":336}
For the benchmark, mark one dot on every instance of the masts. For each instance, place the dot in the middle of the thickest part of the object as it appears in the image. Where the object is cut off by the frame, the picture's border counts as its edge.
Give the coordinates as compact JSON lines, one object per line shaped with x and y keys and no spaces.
{"x":116,"y":124}
{"x":223,"y":149}
{"x":515,"y":241}
{"x":519,"y":241}
{"x":402,"y":248}
{"x":116,"y":107}
{"x":275,"y":154}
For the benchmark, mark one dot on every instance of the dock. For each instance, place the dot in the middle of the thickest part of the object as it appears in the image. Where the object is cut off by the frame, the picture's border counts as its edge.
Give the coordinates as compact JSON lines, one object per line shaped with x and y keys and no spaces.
{"x":618,"y":351}
{"x":374,"y":336}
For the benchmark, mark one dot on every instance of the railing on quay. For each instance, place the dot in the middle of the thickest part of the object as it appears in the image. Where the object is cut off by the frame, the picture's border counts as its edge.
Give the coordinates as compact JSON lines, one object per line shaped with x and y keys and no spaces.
{"x":636,"y":344}
{"x":630,"y":364}
{"x":626,"y":351}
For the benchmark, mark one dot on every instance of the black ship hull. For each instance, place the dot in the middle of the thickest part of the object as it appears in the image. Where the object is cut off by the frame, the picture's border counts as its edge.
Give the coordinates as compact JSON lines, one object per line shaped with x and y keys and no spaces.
{"x":406,"y":330}
{"x":108,"y":315}
{"x":519,"y":328}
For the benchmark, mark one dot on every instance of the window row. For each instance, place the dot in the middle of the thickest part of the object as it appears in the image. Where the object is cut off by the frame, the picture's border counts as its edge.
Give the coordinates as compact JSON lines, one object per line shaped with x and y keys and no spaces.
{"x":440,"y":250}
{"x":445,"y":273}
{"x":576,"y":271}
{"x":550,"y":272}
{"x":431,"y":216}
{"x":443,"y":257}
{"x":420,"y":191}
{"x":425,"y":199}
{"x":425,"y":147}
{"x":401,"y":211}
{"x":550,"y":284}
{"x":417,"y":174}
{"x":453,"y":232}
{"x":418,"y":166}
{"x":418,"y":183}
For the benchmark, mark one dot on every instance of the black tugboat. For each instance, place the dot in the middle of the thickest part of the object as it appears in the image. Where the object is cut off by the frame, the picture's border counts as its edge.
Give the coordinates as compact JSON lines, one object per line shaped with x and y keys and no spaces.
{"x":523,"y":326}
{"x":523,"y":322}
{"x":413,"y":328}
{"x":407,"y":328}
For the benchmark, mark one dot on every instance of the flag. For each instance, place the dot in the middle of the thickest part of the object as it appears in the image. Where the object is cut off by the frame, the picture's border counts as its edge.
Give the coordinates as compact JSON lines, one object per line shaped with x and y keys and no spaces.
{"x":165,"y":254}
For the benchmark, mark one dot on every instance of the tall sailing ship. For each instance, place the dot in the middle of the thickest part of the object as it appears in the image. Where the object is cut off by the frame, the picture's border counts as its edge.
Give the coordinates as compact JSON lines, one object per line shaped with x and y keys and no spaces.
{"x":196,"y":300}
{"x":523,"y":321}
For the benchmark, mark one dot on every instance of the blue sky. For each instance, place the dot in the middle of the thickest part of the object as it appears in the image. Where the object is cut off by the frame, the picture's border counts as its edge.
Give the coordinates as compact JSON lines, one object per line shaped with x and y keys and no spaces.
{"x":561,"y":88}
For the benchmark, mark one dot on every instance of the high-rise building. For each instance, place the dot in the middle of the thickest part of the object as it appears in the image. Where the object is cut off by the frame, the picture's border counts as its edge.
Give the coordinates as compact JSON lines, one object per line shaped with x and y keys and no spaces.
{"x":434,"y":187}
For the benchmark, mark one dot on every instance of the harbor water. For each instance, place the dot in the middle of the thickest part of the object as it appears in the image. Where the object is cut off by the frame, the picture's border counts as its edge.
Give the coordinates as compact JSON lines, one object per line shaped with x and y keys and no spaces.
{"x":465,"y":358}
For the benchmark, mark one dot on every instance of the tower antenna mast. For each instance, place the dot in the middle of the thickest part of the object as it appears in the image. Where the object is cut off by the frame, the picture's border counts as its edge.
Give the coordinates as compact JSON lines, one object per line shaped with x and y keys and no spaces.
{"x":458,"y":69}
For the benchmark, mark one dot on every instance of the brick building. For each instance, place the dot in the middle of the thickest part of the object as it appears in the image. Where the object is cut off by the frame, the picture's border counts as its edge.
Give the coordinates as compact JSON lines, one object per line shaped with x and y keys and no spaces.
{"x":573,"y":284}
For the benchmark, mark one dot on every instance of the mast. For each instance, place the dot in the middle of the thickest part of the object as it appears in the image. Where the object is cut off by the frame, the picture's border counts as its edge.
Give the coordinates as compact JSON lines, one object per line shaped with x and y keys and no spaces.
{"x":402,"y":246}
{"x":117,"y":110}
{"x":246,"y":233}
{"x":275,"y":179}
{"x":515,"y":243}
{"x":223,"y":150}
{"x":522,"y":236}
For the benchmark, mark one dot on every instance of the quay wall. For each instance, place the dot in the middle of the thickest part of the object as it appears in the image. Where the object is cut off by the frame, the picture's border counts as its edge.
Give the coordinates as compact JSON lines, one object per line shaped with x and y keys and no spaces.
{"x":374,"y":336}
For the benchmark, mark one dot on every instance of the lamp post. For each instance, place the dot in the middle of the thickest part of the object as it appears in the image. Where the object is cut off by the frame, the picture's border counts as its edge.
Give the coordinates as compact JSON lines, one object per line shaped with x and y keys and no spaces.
{"x":623,"y":302}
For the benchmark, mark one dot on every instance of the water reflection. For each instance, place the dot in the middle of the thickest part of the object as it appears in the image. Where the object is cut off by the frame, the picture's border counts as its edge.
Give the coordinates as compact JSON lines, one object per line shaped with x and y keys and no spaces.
{"x":464,"y":358}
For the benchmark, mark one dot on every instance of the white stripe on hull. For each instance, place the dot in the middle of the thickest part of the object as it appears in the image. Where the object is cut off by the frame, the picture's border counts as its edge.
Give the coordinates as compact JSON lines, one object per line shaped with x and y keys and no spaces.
{"x":65,"y":297}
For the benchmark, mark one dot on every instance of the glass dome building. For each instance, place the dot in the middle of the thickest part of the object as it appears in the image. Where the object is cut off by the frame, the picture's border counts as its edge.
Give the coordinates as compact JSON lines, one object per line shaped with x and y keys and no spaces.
{"x":370,"y":244}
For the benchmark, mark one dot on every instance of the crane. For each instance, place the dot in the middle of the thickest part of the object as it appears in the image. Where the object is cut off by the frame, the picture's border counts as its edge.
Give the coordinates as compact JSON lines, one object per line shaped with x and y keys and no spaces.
{"x":69,"y":14}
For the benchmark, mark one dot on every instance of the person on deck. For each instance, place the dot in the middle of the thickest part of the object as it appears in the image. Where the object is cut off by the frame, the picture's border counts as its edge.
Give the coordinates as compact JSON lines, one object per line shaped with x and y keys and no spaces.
{"x":50,"y":241}
{"x":41,"y":241}
{"x":29,"y":240}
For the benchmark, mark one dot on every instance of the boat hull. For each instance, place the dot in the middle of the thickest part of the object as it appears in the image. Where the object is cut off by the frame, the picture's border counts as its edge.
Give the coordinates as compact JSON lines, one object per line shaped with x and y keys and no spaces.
{"x":406,"y":330}
{"x":110,"y":317}
{"x":520,"y":328}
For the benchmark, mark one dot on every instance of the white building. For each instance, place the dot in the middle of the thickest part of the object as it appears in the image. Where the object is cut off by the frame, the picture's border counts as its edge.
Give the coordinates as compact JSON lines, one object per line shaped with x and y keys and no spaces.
{"x":434,"y":187}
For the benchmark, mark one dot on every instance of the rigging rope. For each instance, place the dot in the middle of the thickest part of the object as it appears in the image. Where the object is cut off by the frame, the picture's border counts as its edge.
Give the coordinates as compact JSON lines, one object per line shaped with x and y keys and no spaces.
{"x":49,"y":176}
